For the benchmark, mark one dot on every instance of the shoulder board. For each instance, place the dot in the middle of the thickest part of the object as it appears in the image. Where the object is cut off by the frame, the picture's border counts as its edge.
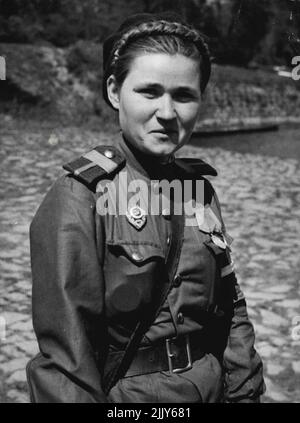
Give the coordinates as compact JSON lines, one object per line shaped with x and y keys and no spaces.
{"x":100,"y":162}
{"x":196,"y":166}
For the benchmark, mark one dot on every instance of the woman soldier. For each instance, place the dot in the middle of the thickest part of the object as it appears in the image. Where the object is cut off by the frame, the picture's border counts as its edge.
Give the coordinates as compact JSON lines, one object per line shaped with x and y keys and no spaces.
{"x":132,"y":301}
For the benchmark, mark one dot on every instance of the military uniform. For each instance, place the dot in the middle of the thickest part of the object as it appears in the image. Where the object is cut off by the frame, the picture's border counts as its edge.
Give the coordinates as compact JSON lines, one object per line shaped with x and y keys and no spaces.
{"x":95,"y":276}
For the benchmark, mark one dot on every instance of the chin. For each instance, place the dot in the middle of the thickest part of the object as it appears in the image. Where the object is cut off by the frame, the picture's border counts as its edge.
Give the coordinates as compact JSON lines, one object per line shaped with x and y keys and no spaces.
{"x":161,"y":147}
{"x":161,"y":150}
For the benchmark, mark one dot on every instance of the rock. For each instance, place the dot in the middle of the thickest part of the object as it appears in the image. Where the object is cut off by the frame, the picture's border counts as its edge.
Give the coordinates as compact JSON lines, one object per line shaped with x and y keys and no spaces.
{"x":8,"y":254}
{"x":266,"y":350}
{"x":17,"y":396}
{"x":296,"y":366}
{"x":23,"y":285}
{"x":280,"y":342}
{"x":274,"y":369}
{"x":53,"y":140}
{"x":10,"y":267}
{"x":280,"y":288}
{"x":295,"y":303}
{"x":25,"y":326}
{"x":273,"y":319}
{"x":13,"y":365}
{"x":18,"y":298}
{"x":19,"y":376}
{"x":274,"y":392}
{"x":29,"y":347}
{"x":263,"y":242}
{"x":259,"y":295}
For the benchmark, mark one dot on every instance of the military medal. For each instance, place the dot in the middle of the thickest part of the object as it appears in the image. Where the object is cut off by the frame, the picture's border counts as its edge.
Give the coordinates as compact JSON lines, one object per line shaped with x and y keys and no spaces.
{"x":136,"y":216}
{"x":210,"y":224}
{"x":219,"y":240}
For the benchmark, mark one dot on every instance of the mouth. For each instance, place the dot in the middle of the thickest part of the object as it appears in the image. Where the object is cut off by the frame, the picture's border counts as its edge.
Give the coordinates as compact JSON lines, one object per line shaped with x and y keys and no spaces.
{"x":166,"y":132}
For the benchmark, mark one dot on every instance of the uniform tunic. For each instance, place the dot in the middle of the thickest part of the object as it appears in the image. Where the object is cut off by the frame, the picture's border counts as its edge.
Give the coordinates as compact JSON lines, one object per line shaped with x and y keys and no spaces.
{"x":94,"y":275}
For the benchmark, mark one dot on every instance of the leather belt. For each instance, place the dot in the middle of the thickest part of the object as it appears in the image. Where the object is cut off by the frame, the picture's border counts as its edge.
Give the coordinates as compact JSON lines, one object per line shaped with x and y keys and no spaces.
{"x":174,"y":354}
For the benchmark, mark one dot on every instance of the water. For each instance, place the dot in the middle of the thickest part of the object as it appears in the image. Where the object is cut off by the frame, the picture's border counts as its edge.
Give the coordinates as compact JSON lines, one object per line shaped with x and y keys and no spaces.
{"x":283,"y":143}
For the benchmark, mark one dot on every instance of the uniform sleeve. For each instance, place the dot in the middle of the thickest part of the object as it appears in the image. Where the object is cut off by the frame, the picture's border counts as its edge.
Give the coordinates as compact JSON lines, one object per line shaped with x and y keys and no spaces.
{"x":242,"y":365}
{"x":67,"y":298}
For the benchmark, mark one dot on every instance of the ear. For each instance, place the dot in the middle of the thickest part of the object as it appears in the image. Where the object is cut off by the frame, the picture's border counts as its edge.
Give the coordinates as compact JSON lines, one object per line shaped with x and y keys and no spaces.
{"x":113,"y":92}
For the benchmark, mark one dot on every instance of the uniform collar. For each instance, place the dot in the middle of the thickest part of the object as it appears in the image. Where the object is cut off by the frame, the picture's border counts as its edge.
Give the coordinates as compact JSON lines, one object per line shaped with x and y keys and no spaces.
{"x":155,"y":168}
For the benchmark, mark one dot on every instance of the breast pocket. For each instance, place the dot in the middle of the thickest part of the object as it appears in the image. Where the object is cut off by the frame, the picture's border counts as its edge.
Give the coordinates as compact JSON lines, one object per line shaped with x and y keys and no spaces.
{"x":132,"y":270}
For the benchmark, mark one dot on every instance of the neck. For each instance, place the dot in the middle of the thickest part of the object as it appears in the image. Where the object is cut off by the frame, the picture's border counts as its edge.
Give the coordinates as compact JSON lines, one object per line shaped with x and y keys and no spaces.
{"x":154,"y":166}
{"x":140,"y":155}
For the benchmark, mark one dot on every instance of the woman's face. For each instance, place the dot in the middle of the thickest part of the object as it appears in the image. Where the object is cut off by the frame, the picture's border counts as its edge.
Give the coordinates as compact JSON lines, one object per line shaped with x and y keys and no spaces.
{"x":158,"y":102}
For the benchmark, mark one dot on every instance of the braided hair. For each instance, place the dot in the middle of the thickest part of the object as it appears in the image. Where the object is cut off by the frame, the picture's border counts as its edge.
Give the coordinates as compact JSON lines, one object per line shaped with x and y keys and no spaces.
{"x":164,"y":33}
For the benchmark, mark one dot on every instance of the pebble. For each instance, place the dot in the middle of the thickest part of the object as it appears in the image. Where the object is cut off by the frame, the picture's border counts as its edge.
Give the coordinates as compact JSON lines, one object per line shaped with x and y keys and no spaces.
{"x":264,"y":330}
{"x":16,"y":364}
{"x":274,"y":369}
{"x":12,"y":317}
{"x":273,"y":392}
{"x":272,"y":319}
{"x":280,"y":288}
{"x":22,"y":326}
{"x":19,"y":376}
{"x":29,"y":347}
{"x":263,"y":296}
{"x":278,"y":341}
{"x":17,"y":396}
{"x":296,"y":366}
{"x":266,"y":351}
{"x":9,"y":351}
{"x":291,"y":303}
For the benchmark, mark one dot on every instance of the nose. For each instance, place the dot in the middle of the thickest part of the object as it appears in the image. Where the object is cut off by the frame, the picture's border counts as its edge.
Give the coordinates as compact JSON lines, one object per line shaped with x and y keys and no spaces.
{"x":166,"y":109}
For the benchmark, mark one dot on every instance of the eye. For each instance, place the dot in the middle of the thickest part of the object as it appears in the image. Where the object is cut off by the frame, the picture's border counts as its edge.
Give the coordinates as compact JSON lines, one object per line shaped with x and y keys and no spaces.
{"x":148,"y":92}
{"x":185,"y":97}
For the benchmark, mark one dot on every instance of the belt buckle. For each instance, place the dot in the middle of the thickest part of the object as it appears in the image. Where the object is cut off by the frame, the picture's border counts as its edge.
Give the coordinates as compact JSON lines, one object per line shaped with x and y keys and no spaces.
{"x":171,"y":355}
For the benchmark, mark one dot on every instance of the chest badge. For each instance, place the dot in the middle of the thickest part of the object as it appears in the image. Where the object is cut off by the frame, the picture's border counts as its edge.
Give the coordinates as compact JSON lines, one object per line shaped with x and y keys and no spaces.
{"x":136,"y":216}
{"x":209,"y":223}
{"x":219,"y":240}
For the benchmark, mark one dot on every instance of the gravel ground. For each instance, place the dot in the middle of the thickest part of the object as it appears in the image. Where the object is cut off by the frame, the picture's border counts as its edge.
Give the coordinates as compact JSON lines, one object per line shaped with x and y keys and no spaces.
{"x":260,"y":197}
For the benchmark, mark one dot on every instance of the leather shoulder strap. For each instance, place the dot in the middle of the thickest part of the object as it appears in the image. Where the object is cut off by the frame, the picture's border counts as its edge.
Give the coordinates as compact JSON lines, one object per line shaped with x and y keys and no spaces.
{"x":101,"y":162}
{"x":195,"y":166}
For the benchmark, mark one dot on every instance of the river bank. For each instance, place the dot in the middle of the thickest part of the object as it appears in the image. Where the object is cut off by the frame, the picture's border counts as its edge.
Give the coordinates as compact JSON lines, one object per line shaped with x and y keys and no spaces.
{"x":283,"y":142}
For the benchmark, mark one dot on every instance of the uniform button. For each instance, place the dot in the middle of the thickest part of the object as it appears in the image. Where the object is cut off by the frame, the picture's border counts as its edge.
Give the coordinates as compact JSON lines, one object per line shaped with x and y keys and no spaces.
{"x":109,"y":154}
{"x":137,"y":257}
{"x":177,"y":280}
{"x":151,"y":357}
{"x":168,"y":240}
{"x":180,"y":318}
